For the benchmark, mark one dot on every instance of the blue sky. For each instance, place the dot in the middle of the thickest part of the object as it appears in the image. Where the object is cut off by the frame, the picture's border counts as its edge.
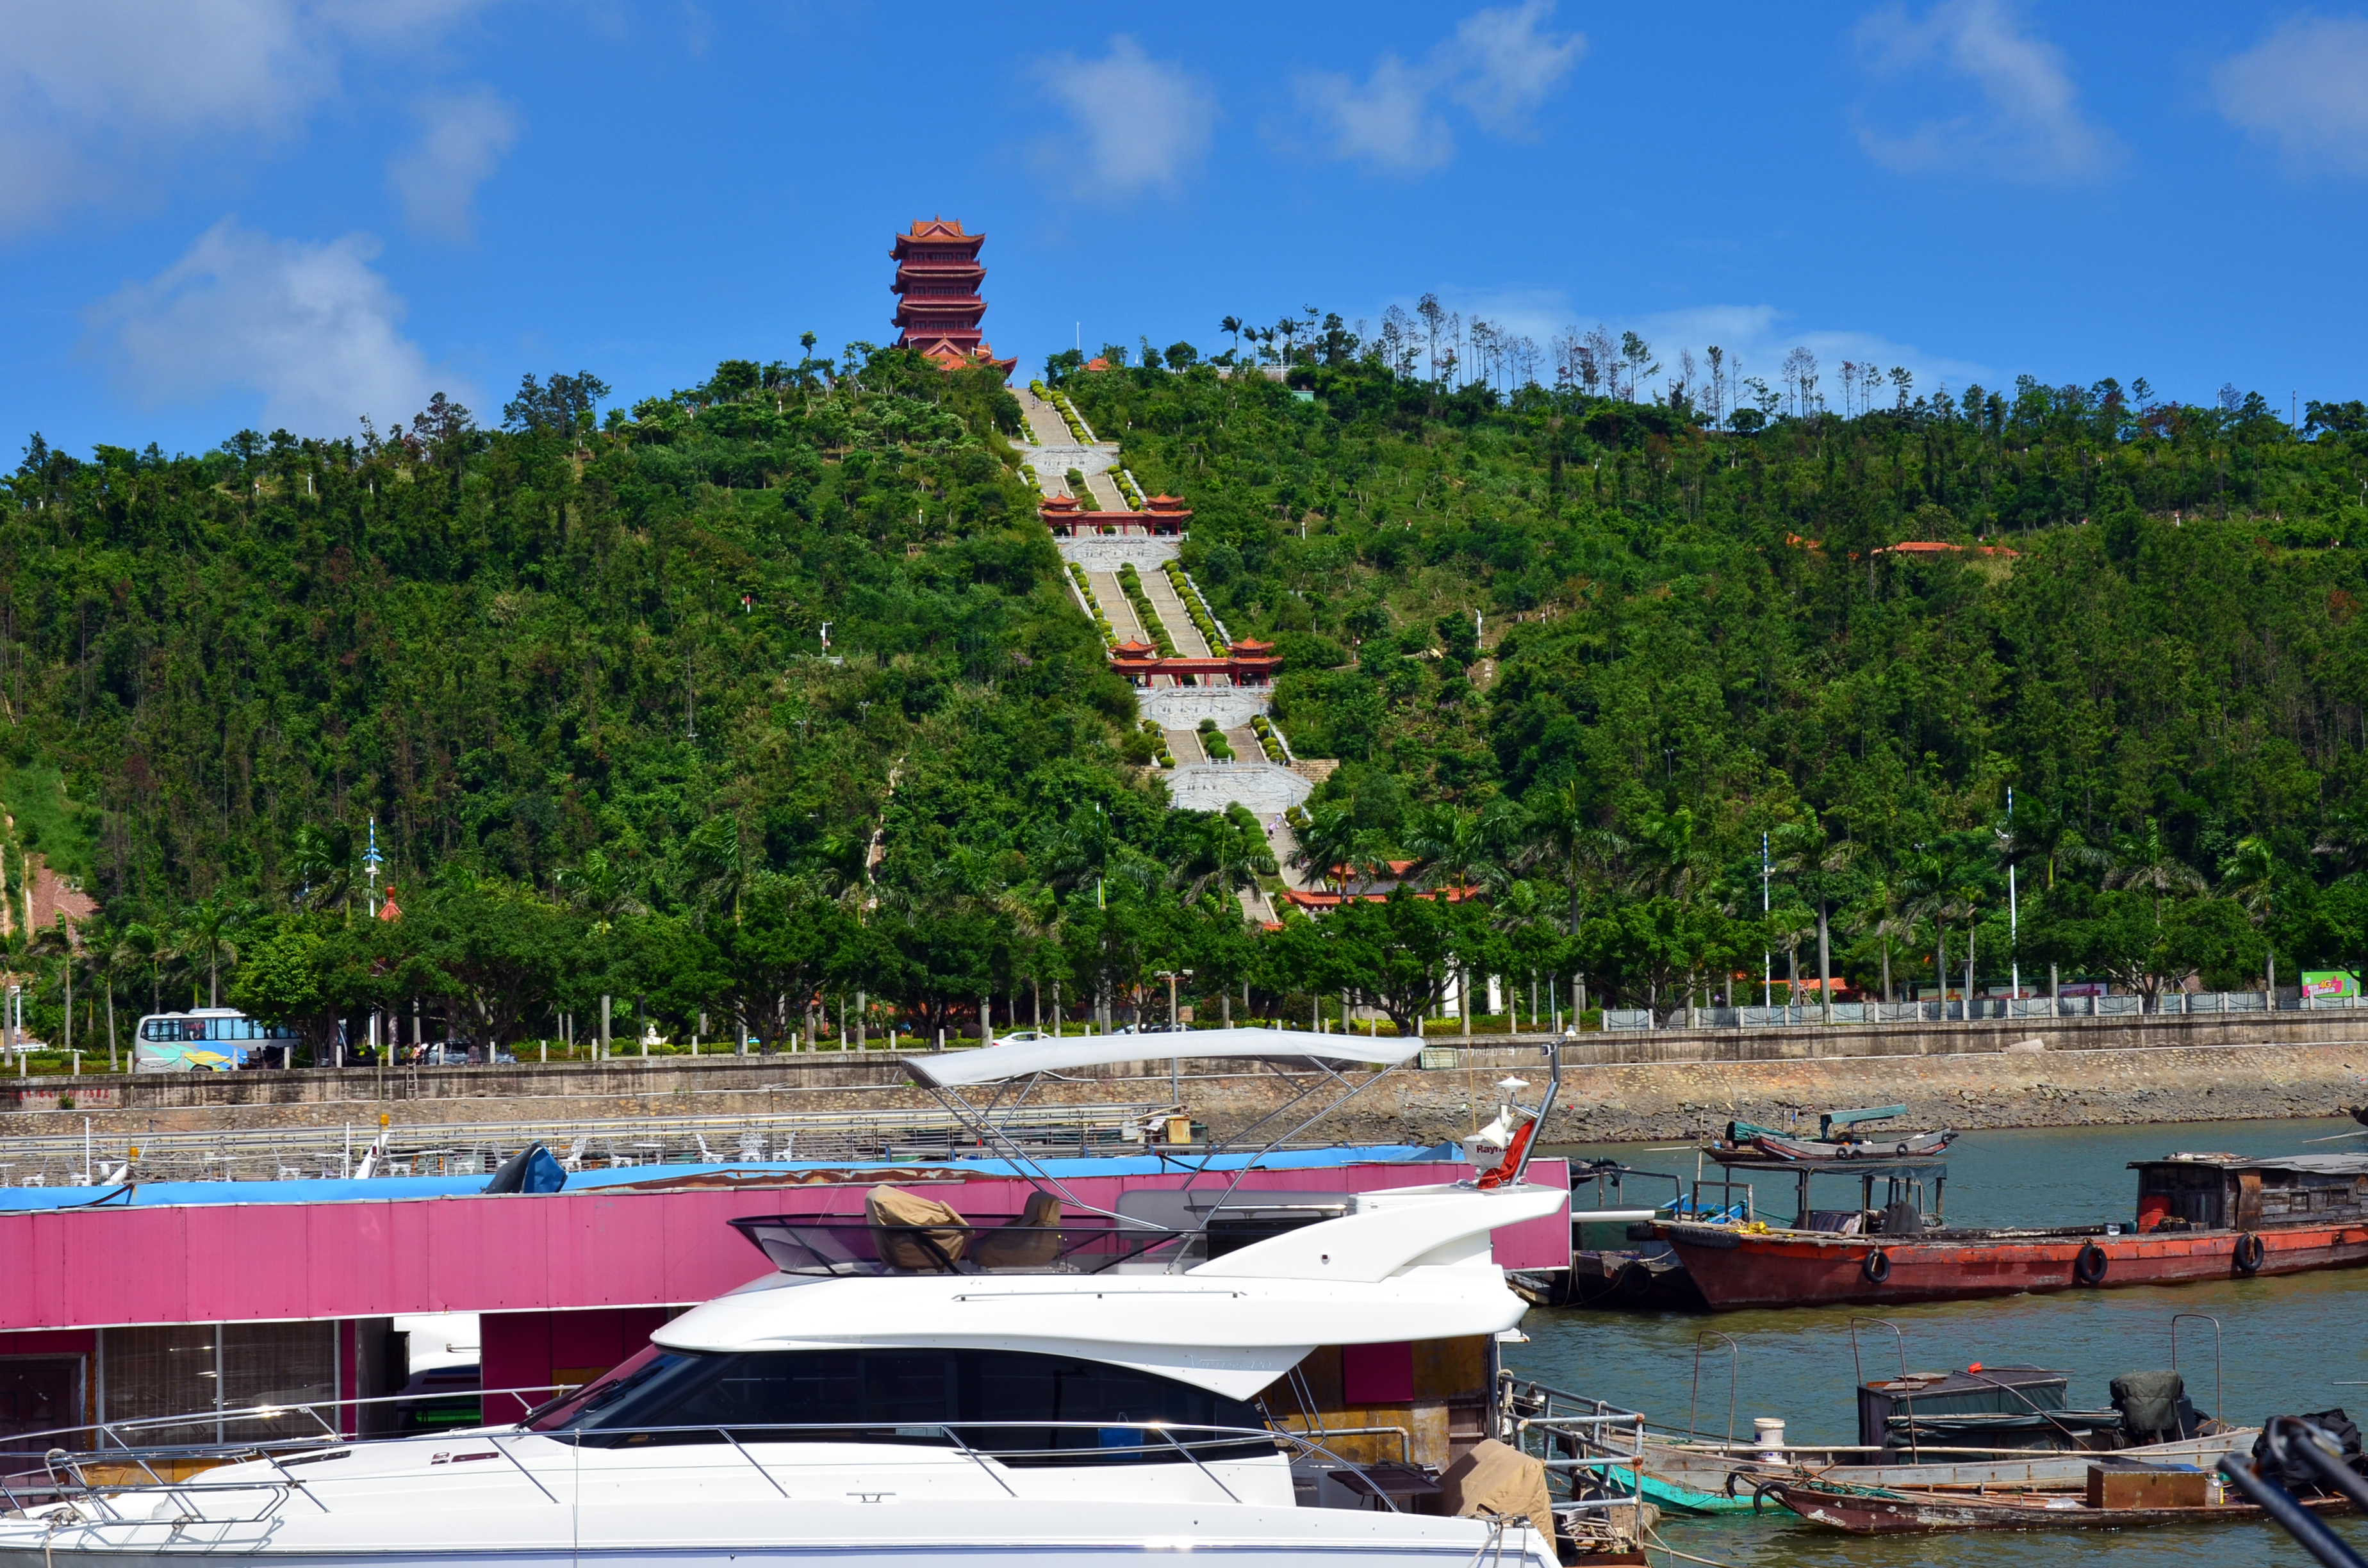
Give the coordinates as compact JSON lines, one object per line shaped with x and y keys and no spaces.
{"x":217,"y":213}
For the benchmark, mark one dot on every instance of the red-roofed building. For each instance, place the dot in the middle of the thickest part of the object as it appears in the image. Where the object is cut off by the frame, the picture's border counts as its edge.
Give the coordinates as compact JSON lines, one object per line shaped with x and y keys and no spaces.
{"x":939,"y":305}
{"x":1162,"y":516}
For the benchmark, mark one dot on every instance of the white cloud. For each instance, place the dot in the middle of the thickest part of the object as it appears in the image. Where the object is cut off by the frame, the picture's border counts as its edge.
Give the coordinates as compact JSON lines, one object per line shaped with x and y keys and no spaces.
{"x":1144,"y":123}
{"x":310,"y":328}
{"x":2028,"y":126}
{"x":1386,"y":122}
{"x":463,"y":137}
{"x":99,"y":96}
{"x":2306,"y":89}
{"x":1500,"y":66}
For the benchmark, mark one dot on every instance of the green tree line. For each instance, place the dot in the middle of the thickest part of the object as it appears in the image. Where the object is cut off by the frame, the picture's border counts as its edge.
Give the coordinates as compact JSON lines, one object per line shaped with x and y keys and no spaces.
{"x":1579,"y":652}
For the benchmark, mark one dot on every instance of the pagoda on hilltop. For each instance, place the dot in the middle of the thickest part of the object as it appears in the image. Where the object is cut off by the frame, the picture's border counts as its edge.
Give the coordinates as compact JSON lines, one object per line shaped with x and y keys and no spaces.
{"x":939,"y":306}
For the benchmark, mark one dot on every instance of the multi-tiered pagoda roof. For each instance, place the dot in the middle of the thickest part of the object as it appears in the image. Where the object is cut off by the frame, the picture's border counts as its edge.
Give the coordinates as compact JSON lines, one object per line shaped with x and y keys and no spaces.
{"x":939,"y":305}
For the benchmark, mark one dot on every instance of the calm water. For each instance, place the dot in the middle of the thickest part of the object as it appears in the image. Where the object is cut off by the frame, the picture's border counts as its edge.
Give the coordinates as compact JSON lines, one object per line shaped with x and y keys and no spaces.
{"x":2287,"y":1345}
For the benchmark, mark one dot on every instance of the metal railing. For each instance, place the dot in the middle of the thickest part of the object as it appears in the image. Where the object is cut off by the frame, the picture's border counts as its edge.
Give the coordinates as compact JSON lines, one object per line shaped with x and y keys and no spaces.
{"x":478,"y":1147}
{"x":1592,"y":1447}
{"x":73,"y":1476}
{"x":1797,"y":1014}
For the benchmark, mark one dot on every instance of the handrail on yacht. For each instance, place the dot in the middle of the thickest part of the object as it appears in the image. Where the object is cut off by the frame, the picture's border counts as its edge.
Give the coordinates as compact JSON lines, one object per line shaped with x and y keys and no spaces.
{"x":1188,"y":1440}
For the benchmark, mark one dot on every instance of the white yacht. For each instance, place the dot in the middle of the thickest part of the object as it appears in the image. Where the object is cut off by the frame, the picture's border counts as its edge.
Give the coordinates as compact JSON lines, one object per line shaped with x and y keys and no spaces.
{"x":916,"y":1385}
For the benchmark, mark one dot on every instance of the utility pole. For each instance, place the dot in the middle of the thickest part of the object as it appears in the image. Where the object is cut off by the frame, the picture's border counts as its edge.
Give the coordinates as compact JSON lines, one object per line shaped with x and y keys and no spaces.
{"x":1767,"y":957}
{"x":2013,"y":920}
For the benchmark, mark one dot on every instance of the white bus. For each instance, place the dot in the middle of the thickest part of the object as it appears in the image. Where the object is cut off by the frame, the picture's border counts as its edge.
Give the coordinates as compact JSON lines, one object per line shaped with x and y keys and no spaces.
{"x":209,"y":1040}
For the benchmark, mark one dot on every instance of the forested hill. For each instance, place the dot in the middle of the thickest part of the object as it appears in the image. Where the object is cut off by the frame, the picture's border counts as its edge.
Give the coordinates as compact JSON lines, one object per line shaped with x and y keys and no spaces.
{"x":580,"y":662}
{"x":518,"y":648}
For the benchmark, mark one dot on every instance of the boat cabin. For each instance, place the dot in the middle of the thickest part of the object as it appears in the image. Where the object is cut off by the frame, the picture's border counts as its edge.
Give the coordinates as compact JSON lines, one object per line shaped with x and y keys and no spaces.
{"x":1413,"y":1402}
{"x":1993,"y":1407}
{"x":2230,"y":1192}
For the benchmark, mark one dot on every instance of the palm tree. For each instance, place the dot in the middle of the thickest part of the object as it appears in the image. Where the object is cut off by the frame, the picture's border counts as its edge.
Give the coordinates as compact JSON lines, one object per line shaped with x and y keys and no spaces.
{"x":1226,"y":855}
{"x":205,"y":933}
{"x":597,"y":889}
{"x":1454,"y":844}
{"x":1329,"y":845}
{"x":2143,"y":863}
{"x":1813,"y":861}
{"x":1929,"y":879}
{"x":2041,"y":833}
{"x":1886,"y":915}
{"x":2253,"y":875}
{"x":55,"y":940}
{"x":717,"y":864}
{"x":321,"y":877}
{"x":1558,"y":827}
{"x":1234,"y":326}
{"x":139,"y":943}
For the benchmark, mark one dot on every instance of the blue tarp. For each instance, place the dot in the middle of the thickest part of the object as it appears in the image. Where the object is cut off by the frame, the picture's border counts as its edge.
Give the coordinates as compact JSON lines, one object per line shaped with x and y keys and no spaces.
{"x":379,"y":1189}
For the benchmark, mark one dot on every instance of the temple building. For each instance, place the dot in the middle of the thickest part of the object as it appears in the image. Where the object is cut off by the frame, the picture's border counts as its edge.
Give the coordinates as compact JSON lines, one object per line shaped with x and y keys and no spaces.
{"x":939,"y":306}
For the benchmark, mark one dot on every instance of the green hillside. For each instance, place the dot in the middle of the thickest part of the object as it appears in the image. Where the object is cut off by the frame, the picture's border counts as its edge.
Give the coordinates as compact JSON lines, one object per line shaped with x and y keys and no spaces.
{"x":577,"y":676}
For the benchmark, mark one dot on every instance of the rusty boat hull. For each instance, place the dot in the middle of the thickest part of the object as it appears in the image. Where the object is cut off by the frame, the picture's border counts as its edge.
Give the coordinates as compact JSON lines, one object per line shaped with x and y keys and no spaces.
{"x":1870,"y":1512}
{"x":1734,"y":1268}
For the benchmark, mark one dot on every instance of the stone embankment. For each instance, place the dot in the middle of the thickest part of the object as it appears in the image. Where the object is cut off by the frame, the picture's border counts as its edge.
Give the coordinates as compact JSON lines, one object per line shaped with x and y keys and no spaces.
{"x":1665,"y":1085}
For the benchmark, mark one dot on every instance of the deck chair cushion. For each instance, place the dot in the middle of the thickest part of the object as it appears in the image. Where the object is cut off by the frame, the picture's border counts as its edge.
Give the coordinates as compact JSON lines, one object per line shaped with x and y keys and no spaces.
{"x":913,"y":1231}
{"x":1498,"y":1478}
{"x":1032,"y":1241}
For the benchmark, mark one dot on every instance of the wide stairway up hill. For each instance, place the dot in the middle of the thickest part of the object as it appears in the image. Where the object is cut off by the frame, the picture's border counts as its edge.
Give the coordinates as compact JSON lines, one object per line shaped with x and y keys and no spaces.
{"x":1198,"y":782}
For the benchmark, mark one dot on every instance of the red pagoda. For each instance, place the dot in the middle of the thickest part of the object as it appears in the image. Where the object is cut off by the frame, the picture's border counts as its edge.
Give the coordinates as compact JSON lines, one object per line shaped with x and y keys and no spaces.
{"x":938,"y":278}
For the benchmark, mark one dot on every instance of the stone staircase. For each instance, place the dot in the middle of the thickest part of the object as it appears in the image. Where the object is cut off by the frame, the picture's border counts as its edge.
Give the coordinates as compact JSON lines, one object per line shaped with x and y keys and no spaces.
{"x":1197,"y":782}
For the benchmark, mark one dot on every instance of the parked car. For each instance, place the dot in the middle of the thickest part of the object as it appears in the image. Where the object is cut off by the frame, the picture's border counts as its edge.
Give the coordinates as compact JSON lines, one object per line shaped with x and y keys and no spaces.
{"x":458,"y":1054}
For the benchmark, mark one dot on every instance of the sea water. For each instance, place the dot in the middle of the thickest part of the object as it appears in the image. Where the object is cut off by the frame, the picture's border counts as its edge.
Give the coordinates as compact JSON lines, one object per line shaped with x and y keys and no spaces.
{"x":2283,"y":1346}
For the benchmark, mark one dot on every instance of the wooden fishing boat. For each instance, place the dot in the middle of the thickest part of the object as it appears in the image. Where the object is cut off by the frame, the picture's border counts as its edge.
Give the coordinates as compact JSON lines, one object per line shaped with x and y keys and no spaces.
{"x":1871,"y":1510}
{"x":2198,"y":1217}
{"x":1842,"y":1136}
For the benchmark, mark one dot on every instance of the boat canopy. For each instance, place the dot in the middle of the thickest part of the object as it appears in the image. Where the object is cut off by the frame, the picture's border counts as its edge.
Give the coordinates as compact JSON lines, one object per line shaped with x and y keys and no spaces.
{"x":2298,"y":1165}
{"x":999,"y":1064}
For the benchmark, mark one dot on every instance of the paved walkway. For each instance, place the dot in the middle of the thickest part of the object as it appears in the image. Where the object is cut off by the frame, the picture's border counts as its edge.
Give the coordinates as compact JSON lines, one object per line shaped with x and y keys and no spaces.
{"x":1184,"y":746}
{"x":1044,"y":422}
{"x":1117,"y":607}
{"x":1171,"y":613}
{"x":1052,"y":452}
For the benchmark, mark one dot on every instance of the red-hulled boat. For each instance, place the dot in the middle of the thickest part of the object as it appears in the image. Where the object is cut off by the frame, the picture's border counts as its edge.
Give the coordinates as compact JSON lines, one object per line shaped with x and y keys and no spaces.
{"x":2198,"y":1217}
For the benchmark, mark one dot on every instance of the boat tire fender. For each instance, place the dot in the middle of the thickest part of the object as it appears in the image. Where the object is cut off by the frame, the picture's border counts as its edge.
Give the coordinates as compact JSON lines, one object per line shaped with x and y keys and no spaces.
{"x":1876,"y":1266}
{"x":1760,"y":1495}
{"x":2249,"y":1253}
{"x":2089,"y":1263}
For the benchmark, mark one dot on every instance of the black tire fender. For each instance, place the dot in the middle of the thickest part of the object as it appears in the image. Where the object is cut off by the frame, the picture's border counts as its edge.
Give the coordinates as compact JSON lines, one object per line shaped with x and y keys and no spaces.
{"x":1876,"y":1266}
{"x":2088,"y":1264}
{"x":1760,"y":1495}
{"x":2250,"y":1253}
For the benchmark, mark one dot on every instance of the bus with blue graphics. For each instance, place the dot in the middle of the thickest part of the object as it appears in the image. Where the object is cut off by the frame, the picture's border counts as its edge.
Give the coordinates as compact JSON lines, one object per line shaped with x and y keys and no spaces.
{"x":209,"y":1040}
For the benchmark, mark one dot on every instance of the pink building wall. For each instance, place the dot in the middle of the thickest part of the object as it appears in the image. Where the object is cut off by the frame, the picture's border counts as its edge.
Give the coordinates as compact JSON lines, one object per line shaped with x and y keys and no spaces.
{"x":563,"y":1252}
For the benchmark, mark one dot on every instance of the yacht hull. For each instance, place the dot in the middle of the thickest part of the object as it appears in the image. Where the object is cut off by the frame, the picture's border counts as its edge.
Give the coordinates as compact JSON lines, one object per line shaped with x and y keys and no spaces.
{"x":881,"y":1535}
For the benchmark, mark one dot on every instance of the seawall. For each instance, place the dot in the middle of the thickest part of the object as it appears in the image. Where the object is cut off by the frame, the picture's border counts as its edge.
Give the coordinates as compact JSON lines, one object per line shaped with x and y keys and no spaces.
{"x":1665,"y":1084}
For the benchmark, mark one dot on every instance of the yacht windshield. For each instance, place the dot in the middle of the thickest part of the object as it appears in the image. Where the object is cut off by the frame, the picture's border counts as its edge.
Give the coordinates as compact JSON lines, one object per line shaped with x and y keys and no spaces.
{"x":1019,"y":1406}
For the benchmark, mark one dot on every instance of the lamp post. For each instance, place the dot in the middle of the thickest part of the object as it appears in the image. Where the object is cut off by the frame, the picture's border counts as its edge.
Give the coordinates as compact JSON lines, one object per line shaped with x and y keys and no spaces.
{"x":1175,"y":1062}
{"x":1767,"y":958}
{"x":2014,"y":923}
